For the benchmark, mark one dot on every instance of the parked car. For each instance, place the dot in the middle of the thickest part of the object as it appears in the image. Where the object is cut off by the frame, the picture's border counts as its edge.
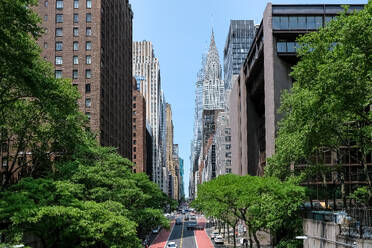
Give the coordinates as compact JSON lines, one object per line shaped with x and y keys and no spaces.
{"x":214,"y":234}
{"x":218,"y":239}
{"x":244,"y":242}
{"x":156,"y":230}
{"x":172,"y":245}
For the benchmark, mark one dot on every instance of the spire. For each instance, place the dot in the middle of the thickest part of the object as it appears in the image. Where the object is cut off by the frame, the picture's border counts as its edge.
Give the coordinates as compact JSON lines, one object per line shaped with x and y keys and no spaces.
{"x":213,"y":42}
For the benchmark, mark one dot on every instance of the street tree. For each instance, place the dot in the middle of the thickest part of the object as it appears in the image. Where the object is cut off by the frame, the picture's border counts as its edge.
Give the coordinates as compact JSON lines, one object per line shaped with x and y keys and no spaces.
{"x":263,"y":203}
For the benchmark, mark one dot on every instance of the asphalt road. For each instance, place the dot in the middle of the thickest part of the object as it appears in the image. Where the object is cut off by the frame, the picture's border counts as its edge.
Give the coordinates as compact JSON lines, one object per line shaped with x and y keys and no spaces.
{"x":184,"y":238}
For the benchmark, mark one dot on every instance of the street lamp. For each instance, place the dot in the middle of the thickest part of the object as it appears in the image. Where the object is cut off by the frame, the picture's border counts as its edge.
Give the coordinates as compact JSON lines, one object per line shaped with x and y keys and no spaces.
{"x":305,"y":237}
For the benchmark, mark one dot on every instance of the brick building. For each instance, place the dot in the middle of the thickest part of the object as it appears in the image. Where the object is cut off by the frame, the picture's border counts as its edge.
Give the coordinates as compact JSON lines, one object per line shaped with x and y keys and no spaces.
{"x":139,"y":155}
{"x":90,"y":41}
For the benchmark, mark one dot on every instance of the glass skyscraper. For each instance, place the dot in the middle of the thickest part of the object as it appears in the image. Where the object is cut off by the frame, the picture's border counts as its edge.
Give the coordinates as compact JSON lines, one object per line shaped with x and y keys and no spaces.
{"x":238,"y":43}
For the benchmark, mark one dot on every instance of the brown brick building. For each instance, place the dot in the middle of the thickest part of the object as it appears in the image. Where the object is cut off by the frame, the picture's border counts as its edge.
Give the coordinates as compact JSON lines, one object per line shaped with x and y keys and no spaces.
{"x":90,"y":41}
{"x":139,"y":155}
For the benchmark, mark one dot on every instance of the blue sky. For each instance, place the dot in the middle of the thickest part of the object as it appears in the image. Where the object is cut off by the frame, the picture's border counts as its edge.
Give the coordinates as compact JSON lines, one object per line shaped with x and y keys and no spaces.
{"x":180,"y":31}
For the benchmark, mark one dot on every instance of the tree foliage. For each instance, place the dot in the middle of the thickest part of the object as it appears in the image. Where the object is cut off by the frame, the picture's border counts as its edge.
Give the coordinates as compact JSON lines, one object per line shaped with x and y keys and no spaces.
{"x":58,"y":184}
{"x":263,"y":203}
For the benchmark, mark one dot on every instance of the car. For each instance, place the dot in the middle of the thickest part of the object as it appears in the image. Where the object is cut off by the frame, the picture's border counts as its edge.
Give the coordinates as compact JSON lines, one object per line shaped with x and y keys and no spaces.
{"x":156,"y":230}
{"x":178,"y":221}
{"x":191,"y":226}
{"x":244,"y":242}
{"x":214,"y":234}
{"x":172,"y":245}
{"x":199,"y":227}
{"x":218,"y":239}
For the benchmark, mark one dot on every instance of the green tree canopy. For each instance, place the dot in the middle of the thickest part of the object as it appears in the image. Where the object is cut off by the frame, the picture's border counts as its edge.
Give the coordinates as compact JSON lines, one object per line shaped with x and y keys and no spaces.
{"x":263,"y":203}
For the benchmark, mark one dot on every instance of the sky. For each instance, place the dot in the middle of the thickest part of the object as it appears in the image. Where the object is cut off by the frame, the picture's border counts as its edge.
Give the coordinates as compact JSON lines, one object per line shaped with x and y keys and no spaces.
{"x":180,"y":31}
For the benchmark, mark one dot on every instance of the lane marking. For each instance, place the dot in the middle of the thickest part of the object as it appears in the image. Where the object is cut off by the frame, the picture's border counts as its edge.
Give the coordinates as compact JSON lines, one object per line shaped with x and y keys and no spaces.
{"x":182,"y":234}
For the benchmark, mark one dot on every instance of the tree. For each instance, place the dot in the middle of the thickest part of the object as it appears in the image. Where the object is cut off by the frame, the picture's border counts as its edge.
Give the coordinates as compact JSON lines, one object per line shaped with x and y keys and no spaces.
{"x":328,"y":108}
{"x":263,"y":203}
{"x":40,"y":119}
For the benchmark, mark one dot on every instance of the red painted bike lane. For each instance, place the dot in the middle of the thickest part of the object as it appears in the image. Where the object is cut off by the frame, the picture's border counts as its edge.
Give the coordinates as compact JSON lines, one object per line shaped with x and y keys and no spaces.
{"x":161,"y":240}
{"x":201,"y":236}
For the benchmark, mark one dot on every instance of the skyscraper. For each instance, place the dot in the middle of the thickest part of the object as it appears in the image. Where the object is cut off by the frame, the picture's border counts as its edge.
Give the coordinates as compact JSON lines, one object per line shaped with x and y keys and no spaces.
{"x":90,"y":42}
{"x":209,"y":101}
{"x":238,"y":42}
{"x":146,"y":66}
{"x":213,"y":88}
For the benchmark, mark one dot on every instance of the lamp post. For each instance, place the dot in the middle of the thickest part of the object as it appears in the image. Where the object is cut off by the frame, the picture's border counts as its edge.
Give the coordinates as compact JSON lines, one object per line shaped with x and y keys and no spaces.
{"x":305,"y":237}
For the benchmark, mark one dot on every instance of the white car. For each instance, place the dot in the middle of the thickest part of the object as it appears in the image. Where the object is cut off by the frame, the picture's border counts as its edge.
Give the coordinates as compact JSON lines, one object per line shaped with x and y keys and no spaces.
{"x":214,"y":234}
{"x":172,"y":245}
{"x":218,"y":239}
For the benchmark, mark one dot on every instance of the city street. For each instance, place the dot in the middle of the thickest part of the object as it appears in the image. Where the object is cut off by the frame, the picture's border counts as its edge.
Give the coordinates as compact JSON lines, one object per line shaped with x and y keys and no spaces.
{"x":183,"y":237}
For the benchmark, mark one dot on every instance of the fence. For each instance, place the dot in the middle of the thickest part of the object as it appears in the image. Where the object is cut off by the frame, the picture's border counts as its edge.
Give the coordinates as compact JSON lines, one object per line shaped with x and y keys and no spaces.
{"x":354,"y":222}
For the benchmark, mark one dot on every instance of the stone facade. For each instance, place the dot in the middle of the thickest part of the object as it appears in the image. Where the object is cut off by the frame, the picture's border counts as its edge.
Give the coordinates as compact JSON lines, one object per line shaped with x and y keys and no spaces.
{"x":255,"y":97}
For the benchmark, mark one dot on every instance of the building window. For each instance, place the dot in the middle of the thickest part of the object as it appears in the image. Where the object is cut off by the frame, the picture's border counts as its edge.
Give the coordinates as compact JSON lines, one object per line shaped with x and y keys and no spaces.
{"x":59,"y":4}
{"x":88,"y":103}
{"x":76,"y":60}
{"x":75,"y":74}
{"x":76,"y":32}
{"x":227,"y":138}
{"x":46,"y":3}
{"x":134,"y":142}
{"x":87,"y":88}
{"x":134,"y":120}
{"x":88,"y":45}
{"x":286,"y":47}
{"x":58,"y":74}
{"x":46,"y":18}
{"x":228,"y":146}
{"x":59,"y":60}
{"x":89,"y":4}
{"x":76,"y":46}
{"x":89,"y":17}
{"x":88,"y":59}
{"x":45,"y":44}
{"x":59,"y":18}
{"x":59,"y":46}
{"x":88,"y":74}
{"x":76,"y":4}
{"x":134,"y":134}
{"x":76,"y":18}
{"x":134,"y":149}
{"x":297,"y":22}
{"x":87,"y":115}
{"x":228,"y":155}
{"x":88,"y":31}
{"x":59,"y":32}
{"x":134,"y":156}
